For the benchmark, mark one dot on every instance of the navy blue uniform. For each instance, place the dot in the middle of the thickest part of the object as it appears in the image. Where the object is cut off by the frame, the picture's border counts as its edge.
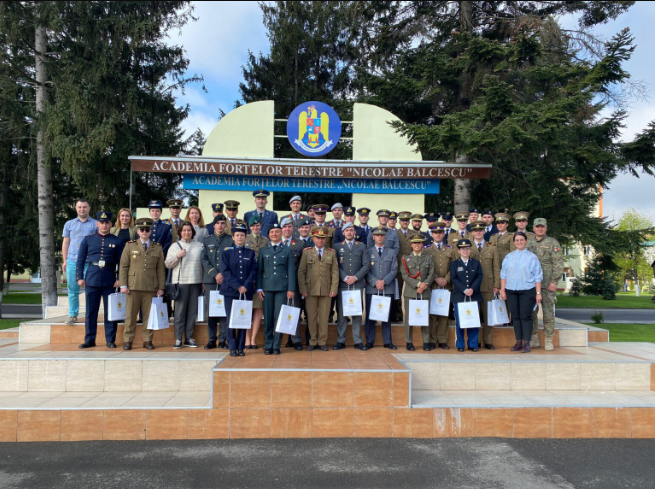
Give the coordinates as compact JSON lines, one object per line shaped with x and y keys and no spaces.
{"x":239,"y":268}
{"x":99,"y":279}
{"x":466,"y":276}
{"x":162,"y":234}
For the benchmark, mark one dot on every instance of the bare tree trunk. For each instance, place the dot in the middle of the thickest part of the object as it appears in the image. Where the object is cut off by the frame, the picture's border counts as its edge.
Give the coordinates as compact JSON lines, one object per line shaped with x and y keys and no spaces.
{"x":462,"y":190}
{"x":44,"y":177}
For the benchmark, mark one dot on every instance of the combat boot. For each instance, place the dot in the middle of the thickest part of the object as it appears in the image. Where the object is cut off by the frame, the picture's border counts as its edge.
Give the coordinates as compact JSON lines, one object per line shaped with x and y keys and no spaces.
{"x":534,"y":341}
{"x":549,"y":344}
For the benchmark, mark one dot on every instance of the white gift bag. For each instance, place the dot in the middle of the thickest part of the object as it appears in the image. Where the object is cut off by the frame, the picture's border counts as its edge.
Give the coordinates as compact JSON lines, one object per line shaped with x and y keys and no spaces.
{"x":287,"y":321}
{"x":469,"y":314}
{"x":380,"y":306}
{"x":440,"y":302}
{"x":201,"y":309}
{"x":497,"y":312}
{"x":216,"y":305}
{"x":117,"y":307}
{"x":241,"y":314}
{"x":351,"y":302}
{"x":158,"y":318}
{"x":419,"y":312}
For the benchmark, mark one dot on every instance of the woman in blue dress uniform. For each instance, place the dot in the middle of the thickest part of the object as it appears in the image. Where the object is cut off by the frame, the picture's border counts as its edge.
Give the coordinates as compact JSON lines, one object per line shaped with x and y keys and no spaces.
{"x":466,"y":275}
{"x":239,"y":269}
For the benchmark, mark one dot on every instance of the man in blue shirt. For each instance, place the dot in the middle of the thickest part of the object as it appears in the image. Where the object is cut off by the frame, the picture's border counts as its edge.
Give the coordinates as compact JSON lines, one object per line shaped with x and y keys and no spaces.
{"x":74,"y":233}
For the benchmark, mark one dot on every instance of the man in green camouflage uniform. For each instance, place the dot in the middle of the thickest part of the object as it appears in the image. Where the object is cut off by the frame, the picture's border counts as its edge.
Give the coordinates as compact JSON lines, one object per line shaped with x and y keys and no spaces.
{"x":549,"y":252}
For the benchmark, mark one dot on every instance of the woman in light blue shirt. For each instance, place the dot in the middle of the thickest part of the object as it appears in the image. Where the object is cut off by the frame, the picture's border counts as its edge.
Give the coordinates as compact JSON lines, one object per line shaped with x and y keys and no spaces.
{"x":520,"y":286}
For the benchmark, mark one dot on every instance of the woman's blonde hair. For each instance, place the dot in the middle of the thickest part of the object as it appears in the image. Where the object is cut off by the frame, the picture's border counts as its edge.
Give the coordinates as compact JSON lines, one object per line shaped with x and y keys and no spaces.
{"x":118,"y":218}
{"x":201,"y":221}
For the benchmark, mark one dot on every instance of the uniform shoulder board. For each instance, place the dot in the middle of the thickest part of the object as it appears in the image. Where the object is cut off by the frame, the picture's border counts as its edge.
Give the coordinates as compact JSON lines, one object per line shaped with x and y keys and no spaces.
{"x":158,"y":244}
{"x":494,"y":234}
{"x":448,"y":246}
{"x":308,"y":248}
{"x":132,"y":241}
{"x":330,"y":249}
{"x":228,"y":248}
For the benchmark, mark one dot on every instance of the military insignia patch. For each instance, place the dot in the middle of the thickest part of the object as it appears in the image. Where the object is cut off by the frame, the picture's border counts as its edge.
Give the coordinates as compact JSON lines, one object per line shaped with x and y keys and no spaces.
{"x":313,"y":129}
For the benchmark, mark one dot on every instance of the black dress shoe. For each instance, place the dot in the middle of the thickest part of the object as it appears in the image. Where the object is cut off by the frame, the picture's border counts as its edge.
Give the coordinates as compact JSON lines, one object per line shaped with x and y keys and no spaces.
{"x":247,"y":347}
{"x":223,"y":345}
{"x":433,"y":345}
{"x":127,"y":346}
{"x":277,"y":352}
{"x":241,"y":353}
{"x":253,"y":347}
{"x":210,"y":346}
{"x":289,"y":343}
{"x":323,"y":348}
{"x":268,"y":351}
{"x":298,"y":346}
{"x":444,"y":346}
{"x":427,"y":347}
{"x":489,"y":346}
{"x":111,"y":344}
{"x":148,"y":345}
{"x":359,"y":346}
{"x":369,"y":345}
{"x":391,"y":346}
{"x":310,"y":348}
{"x":339,"y":346}
{"x":233,"y":353}
{"x":473,"y":349}
{"x":410,"y":347}
{"x":460,"y":349}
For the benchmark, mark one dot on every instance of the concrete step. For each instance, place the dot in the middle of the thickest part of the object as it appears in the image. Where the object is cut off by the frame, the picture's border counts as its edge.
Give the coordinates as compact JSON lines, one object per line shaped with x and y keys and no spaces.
{"x":10,"y":333}
{"x":57,"y":311}
{"x":63,"y":300}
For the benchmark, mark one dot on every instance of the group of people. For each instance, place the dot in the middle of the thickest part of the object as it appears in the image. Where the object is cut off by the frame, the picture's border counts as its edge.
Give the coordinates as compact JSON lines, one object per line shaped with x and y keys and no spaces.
{"x":305,"y":261}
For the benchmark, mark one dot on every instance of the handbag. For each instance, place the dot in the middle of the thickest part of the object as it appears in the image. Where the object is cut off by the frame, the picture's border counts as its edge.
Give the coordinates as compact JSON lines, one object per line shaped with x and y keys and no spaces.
{"x":173,"y":290}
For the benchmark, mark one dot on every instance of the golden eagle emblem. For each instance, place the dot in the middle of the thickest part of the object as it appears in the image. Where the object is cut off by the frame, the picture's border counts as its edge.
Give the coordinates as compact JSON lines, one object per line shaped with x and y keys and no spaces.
{"x":313,"y":130}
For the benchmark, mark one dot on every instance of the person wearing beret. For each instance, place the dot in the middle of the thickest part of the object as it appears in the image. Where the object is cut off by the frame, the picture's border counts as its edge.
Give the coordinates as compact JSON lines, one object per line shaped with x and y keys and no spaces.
{"x":276,"y":284}
{"x":103,"y":252}
{"x":217,"y":209}
{"x":296,"y":216}
{"x":489,"y":228}
{"x":466,"y":274}
{"x":418,"y":274}
{"x":256,"y":242}
{"x":142,"y":277}
{"x":239,"y":270}
{"x":337,"y":213}
{"x":266,"y":217}
{"x":161,"y":230}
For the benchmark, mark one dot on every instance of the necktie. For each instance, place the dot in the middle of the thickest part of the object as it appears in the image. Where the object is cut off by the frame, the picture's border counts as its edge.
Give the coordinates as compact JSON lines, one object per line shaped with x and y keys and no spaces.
{"x":274,"y":248}
{"x":350,"y":245}
{"x":462,"y":233}
{"x":380,"y":252}
{"x":145,"y":246}
{"x":479,"y":247}
{"x":231,"y":222}
{"x":320,"y":254}
{"x":405,"y":233}
{"x":439,"y":246}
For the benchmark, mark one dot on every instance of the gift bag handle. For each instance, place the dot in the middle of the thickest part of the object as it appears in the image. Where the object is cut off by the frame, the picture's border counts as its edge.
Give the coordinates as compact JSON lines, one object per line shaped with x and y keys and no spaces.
{"x":244,"y":297}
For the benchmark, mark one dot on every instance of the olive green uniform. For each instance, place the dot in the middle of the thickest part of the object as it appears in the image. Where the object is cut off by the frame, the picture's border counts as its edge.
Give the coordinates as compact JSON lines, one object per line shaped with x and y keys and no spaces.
{"x":490,"y":261}
{"x":143,"y":273}
{"x":454,"y":237}
{"x":318,"y":278}
{"x":549,"y":252}
{"x":442,"y":259}
{"x":504,"y":243}
{"x":330,"y":233}
{"x":256,"y":242}
{"x":423,"y":264}
{"x":405,"y":249}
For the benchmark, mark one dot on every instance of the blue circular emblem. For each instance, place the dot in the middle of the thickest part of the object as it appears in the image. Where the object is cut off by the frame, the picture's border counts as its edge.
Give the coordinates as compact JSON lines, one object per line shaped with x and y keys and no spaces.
{"x":313,"y":129}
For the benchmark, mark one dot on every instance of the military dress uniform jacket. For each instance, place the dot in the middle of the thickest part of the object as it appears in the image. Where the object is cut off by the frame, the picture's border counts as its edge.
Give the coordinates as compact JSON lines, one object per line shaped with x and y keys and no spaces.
{"x":363,"y":231}
{"x":268,"y":219}
{"x":276,"y":269}
{"x":490,"y":233}
{"x":298,"y":246}
{"x":142,"y":270}
{"x":454,"y":237}
{"x":318,"y":277}
{"x":383,"y":267}
{"x":353,"y":263}
{"x":405,"y":246}
{"x":490,"y":262}
{"x":390,"y":241}
{"x":442,"y":259}
{"x":423,"y":265}
{"x":340,"y":238}
{"x":466,"y":277}
{"x":162,"y":234}
{"x":336,"y":225}
{"x":504,"y":243}
{"x":256,"y":243}
{"x":239,"y":268}
{"x":214,"y":246}
{"x":95,"y":249}
{"x":549,"y":252}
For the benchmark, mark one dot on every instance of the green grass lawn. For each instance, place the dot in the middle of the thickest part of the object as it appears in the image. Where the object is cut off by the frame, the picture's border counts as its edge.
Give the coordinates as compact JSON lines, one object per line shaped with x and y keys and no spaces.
{"x":629,"y":332}
{"x":10,"y":323}
{"x":622,"y":301}
{"x":17,"y":298}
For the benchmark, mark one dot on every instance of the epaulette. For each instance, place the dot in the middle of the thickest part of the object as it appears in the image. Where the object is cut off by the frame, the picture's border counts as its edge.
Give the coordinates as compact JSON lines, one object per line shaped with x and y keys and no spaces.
{"x":158,"y":244}
{"x":330,"y":249}
{"x":448,"y":246}
{"x":308,"y":248}
{"x":229,"y":248}
{"x":133,"y":241}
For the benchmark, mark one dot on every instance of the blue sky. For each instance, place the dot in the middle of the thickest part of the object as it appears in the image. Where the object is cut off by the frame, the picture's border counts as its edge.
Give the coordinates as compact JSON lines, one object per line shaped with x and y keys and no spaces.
{"x":218,"y":42}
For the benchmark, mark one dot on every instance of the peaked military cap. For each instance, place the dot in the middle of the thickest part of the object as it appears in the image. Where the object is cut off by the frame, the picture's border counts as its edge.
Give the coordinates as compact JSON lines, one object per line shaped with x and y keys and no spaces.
{"x":393,"y":215}
{"x":365,"y":211}
{"x":478,"y":226}
{"x":438,"y":227}
{"x":405,"y":215}
{"x":320,"y":208}
{"x":261,"y":193}
{"x":218,"y":207}
{"x":464,"y":243}
{"x":417,"y":217}
{"x":383,"y":213}
{"x":103,"y":216}
{"x":417,"y":238}
{"x":502,"y":217}
{"x":232,"y":205}
{"x":144,"y":222}
{"x":239,"y":226}
{"x":349,"y":211}
{"x":155,"y":204}
{"x":380,"y":232}
{"x":447,"y":216}
{"x":462,"y":216}
{"x":521,"y":216}
{"x":174,"y":203}
{"x":319,"y":232}
{"x":432,"y":217}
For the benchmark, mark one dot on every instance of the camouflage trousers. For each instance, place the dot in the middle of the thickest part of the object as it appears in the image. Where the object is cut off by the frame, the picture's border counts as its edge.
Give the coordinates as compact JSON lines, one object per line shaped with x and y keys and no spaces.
{"x":548,"y":300}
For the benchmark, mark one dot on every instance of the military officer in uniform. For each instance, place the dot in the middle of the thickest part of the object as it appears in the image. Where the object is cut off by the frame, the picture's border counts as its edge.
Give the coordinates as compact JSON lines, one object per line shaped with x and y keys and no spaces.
{"x":417,"y":224}
{"x":175,"y":208}
{"x":353,"y":268}
{"x":489,"y":229}
{"x":391,"y":239}
{"x":474,"y":214}
{"x":466,"y":274}
{"x":380,"y":280}
{"x":217,"y":209}
{"x":393,"y":220}
{"x":318,"y":281}
{"x":348,"y":216}
{"x":417,"y":270}
{"x":239,"y":270}
{"x":266,"y":217}
{"x":298,"y":245}
{"x":320,"y":212}
{"x":213,"y":247}
{"x":549,"y":252}
{"x":231,"y":211}
{"x":295,"y":216}
{"x":255,"y":241}
{"x":489,"y":259}
{"x":447,"y":218}
{"x":161,"y":230}
{"x":337,"y":212}
{"x":103,"y":252}
{"x":364,"y":215}
{"x":442,"y":255}
{"x":404,"y":248}
{"x":142,"y":276}
{"x":521,"y":221}
{"x":462,"y":231}
{"x":503,"y":240}
{"x":276,"y":284}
